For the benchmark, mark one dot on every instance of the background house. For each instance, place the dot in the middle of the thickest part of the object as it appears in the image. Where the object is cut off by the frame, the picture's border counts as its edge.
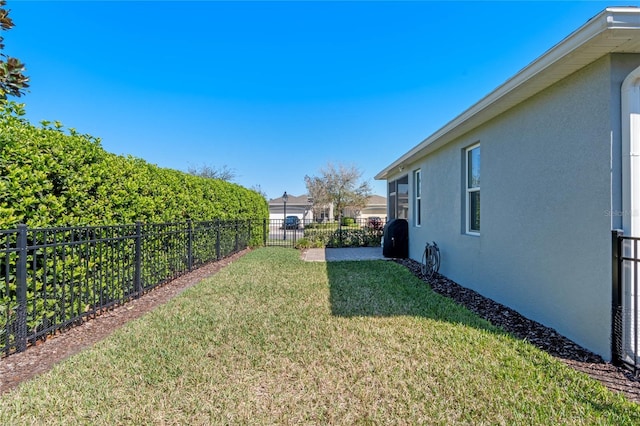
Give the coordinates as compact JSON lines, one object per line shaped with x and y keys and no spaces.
{"x":302,"y":207}
{"x":551,"y":155}
{"x":376,"y":207}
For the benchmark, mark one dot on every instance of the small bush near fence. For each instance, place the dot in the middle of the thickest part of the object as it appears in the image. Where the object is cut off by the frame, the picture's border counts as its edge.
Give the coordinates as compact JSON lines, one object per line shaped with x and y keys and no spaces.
{"x":348,"y":221}
{"x":343,"y":237}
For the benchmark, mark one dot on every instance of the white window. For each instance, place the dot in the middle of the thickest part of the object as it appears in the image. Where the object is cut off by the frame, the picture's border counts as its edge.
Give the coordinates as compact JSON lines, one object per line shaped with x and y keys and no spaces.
{"x":473,"y":189}
{"x":399,"y":198}
{"x":417,"y":197}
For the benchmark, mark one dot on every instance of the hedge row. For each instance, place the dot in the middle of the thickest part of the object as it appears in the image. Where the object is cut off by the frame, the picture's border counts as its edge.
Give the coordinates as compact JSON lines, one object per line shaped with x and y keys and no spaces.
{"x":343,"y":237}
{"x":49,"y":177}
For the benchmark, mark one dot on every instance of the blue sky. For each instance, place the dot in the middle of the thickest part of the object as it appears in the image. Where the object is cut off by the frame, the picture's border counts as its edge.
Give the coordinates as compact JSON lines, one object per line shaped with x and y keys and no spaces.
{"x":274,"y":90}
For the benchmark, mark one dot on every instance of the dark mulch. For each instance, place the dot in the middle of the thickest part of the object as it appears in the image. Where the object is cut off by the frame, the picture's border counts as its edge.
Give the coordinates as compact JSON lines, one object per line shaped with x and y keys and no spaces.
{"x":615,"y":378}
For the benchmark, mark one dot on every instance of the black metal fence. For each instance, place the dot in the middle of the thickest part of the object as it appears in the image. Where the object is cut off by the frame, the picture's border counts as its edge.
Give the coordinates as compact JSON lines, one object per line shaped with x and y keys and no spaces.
{"x":56,"y":277}
{"x":53,"y":278}
{"x":625,"y":297}
{"x":305,"y":233}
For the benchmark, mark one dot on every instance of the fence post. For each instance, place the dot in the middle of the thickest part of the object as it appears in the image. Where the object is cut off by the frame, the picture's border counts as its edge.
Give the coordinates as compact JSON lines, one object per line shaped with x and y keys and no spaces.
{"x":237,"y":231}
{"x":217,"y":239}
{"x":189,"y":244}
{"x":264,"y":232}
{"x":21,"y":290}
{"x":248,"y":234}
{"x":616,"y":297}
{"x":137,"y":277}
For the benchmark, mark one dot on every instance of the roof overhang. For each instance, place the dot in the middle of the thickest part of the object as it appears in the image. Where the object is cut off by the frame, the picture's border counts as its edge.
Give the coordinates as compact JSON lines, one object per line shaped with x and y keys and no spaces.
{"x":614,"y":30}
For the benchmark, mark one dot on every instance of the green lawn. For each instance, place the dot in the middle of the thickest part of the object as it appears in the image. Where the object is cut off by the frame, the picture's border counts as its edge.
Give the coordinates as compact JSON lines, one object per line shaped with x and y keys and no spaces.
{"x":273,"y":340}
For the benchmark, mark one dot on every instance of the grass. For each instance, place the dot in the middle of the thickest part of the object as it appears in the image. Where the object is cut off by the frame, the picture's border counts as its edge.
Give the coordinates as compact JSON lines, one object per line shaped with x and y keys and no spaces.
{"x":273,"y":340}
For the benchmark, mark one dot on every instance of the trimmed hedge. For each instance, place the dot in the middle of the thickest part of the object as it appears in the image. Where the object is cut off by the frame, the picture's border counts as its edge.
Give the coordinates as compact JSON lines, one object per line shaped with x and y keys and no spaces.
{"x":49,"y":177}
{"x":343,"y":237}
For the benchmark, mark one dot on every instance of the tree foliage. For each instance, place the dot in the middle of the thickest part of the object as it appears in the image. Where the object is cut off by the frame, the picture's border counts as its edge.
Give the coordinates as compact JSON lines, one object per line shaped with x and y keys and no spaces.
{"x":206,"y":171}
{"x":339,"y":186}
{"x":257,"y":188}
{"x":12,"y":79}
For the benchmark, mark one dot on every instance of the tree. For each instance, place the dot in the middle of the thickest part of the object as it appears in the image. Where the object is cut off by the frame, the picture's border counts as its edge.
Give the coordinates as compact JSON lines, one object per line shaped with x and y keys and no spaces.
{"x":338,"y":186}
{"x":12,"y":79}
{"x":257,"y":188}
{"x":224,"y":173}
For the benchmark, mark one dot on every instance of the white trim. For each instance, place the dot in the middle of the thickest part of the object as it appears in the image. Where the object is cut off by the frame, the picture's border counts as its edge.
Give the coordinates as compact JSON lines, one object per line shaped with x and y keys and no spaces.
{"x":469,"y":190}
{"x":630,"y":98}
{"x":631,"y":154}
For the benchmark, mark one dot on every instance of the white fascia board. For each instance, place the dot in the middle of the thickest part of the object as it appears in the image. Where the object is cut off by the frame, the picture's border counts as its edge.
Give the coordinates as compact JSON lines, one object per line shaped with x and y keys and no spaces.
{"x":602,"y":34}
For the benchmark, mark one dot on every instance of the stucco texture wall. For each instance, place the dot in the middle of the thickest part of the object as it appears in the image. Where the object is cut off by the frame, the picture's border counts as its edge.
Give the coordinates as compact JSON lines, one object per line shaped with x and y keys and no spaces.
{"x":546,"y":179}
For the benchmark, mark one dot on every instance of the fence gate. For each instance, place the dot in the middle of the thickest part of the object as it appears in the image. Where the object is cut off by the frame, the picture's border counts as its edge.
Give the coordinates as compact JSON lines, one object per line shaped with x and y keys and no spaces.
{"x":281,"y":234}
{"x":349,"y":232}
{"x":626,"y":313}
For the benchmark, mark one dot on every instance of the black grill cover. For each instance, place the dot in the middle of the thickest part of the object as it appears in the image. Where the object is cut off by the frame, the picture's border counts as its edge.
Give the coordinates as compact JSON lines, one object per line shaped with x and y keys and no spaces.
{"x":396,"y":239}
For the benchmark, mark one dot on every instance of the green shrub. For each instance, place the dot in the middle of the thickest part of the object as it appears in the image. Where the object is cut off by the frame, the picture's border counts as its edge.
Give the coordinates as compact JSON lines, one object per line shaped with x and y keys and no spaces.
{"x":322,"y":225}
{"x":348,"y":221}
{"x":344,"y":237}
{"x":317,"y":237}
{"x":303,"y":243}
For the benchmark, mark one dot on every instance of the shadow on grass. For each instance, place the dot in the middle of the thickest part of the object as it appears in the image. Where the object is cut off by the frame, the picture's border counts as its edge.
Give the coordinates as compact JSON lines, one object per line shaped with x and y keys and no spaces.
{"x":386,"y":289}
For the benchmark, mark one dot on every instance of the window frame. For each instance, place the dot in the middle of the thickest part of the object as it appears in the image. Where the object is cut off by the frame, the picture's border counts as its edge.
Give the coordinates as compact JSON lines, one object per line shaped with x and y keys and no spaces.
{"x":392,"y":199}
{"x":471,"y":190}
{"x":417,"y":197}
{"x":398,"y":201}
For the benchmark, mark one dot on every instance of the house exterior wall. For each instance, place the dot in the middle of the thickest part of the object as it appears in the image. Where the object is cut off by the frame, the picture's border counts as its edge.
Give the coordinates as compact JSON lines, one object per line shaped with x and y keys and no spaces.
{"x":546,"y":200}
{"x":302,"y":212}
{"x":368,"y":212}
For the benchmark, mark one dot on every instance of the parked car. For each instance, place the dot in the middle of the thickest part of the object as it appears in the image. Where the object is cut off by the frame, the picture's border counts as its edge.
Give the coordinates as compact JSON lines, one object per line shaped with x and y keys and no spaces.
{"x":291,"y":222}
{"x":375,"y":222}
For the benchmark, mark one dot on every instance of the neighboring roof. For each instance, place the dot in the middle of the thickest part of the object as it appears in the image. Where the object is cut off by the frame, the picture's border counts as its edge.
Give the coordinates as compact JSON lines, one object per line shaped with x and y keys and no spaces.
{"x":614,"y":30}
{"x":292,"y":199}
{"x":377,"y":200}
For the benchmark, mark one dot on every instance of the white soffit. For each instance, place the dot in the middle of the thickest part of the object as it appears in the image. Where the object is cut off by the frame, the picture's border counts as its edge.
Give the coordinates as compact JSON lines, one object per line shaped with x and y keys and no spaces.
{"x":614,"y":30}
